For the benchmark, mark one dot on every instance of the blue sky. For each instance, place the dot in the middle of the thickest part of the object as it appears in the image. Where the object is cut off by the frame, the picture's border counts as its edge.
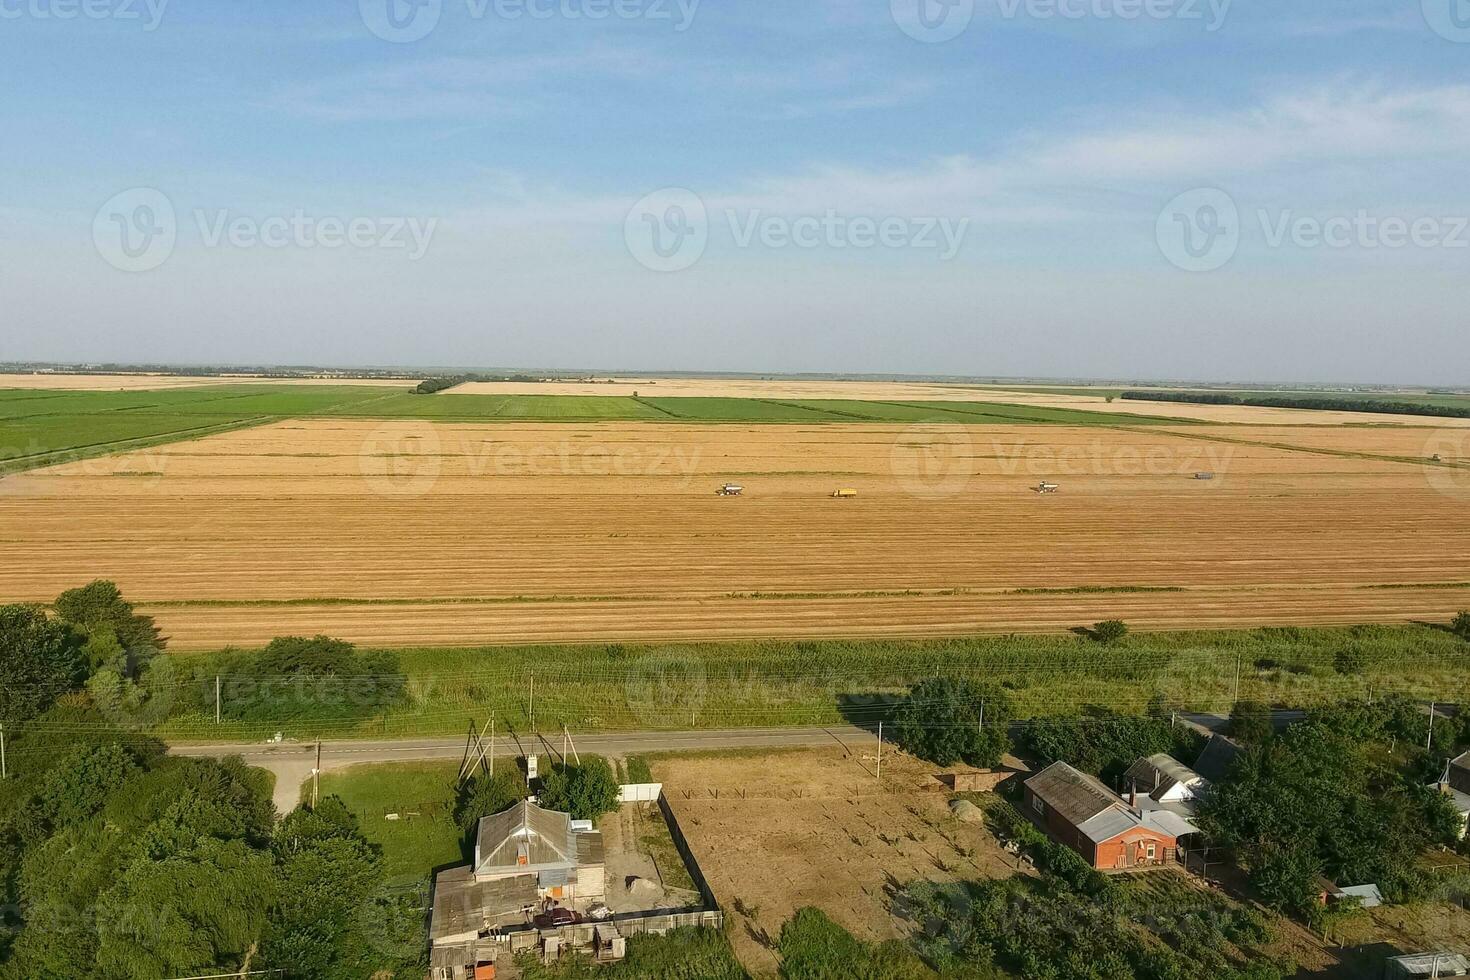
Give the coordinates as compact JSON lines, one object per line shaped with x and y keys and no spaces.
{"x":1050,"y":146}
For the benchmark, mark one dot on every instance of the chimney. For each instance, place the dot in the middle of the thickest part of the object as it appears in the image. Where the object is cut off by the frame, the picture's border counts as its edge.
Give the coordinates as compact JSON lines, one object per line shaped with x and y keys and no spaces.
{"x":1133,"y":794}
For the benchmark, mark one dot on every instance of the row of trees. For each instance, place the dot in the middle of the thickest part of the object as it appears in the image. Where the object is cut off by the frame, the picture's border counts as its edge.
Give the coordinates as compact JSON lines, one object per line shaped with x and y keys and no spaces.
{"x":1331,"y":403}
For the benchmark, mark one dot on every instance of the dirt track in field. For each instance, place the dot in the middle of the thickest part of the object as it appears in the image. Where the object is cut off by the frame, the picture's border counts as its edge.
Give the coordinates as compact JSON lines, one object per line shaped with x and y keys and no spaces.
{"x":483,"y":532}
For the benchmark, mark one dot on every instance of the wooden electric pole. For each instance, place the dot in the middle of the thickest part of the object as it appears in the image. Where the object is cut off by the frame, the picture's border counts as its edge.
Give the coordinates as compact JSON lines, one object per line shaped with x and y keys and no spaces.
{"x":216,"y":699}
{"x":316,"y":775}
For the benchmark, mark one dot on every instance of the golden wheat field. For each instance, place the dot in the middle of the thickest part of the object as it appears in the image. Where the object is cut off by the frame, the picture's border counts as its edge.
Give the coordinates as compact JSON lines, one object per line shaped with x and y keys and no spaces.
{"x":438,"y":533}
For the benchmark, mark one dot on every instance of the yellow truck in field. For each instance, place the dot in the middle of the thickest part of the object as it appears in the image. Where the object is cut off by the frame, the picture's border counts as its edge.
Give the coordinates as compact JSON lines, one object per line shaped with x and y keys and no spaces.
{"x":844,"y":493}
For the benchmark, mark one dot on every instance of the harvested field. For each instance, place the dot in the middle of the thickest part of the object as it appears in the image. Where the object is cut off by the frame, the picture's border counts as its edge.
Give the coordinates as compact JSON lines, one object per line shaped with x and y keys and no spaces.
{"x":815,"y":828}
{"x":484,"y":532}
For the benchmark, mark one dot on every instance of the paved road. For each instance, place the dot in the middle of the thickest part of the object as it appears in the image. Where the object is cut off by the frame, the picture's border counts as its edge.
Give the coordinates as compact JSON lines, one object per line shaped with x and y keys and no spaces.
{"x":292,"y":762}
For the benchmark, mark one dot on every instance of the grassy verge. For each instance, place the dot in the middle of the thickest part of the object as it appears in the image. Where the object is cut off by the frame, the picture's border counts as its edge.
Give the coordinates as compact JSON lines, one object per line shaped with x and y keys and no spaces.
{"x":782,"y":683}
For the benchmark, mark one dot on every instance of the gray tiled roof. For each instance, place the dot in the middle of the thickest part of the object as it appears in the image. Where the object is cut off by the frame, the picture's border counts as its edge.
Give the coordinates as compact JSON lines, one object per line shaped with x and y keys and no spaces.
{"x":1096,"y":811}
{"x":462,"y":904}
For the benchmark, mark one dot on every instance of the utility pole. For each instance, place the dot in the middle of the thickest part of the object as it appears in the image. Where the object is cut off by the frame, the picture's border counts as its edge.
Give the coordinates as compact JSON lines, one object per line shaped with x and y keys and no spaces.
{"x":572,"y":742}
{"x":1236,"y":699}
{"x":492,"y":746}
{"x":316,"y":774}
{"x":216,"y":699}
{"x":1429,"y":741}
{"x":531,"y":705}
{"x":880,"y":745}
{"x":4,"y":774}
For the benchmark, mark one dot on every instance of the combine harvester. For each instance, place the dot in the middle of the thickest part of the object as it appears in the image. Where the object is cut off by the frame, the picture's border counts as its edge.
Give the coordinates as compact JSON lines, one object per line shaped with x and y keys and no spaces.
{"x":1044,"y":487}
{"x":730,"y":490}
{"x":844,"y":493}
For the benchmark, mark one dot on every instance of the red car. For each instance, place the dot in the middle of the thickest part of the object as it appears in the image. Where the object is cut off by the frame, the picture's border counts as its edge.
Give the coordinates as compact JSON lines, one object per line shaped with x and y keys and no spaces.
{"x":556,"y":918}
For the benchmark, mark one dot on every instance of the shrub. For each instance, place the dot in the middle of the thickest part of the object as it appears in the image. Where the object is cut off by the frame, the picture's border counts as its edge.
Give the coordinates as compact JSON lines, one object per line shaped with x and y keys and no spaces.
{"x":586,"y":791}
{"x":1109,"y":630}
{"x":1461,"y":625}
{"x":941,"y":721}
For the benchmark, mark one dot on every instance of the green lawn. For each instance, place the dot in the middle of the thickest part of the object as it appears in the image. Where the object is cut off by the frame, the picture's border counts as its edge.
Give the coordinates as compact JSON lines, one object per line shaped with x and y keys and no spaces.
{"x":412,"y":845}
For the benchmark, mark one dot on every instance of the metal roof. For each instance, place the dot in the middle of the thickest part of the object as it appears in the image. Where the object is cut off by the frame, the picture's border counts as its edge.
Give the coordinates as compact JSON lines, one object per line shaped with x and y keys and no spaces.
{"x":525,"y":839}
{"x":464,"y":905}
{"x":1157,"y":774}
{"x":1214,"y":760}
{"x":1096,"y":811}
{"x":1424,"y":964}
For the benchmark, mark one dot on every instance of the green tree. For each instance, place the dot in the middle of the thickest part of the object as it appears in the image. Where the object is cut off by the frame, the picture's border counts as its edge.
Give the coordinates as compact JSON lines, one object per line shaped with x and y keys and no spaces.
{"x":941,"y":721}
{"x":1105,"y":742}
{"x":586,"y":791}
{"x":40,"y":659}
{"x":485,"y":795}
{"x":99,"y":607}
{"x":326,"y":871}
{"x":1109,"y":630}
{"x":1250,"y":722}
{"x":1460,"y":626}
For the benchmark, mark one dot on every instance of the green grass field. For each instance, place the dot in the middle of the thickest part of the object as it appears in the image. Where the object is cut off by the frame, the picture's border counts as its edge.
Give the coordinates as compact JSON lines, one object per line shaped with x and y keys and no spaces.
{"x":42,"y":428}
{"x":412,"y":845}
{"x":774,"y":683}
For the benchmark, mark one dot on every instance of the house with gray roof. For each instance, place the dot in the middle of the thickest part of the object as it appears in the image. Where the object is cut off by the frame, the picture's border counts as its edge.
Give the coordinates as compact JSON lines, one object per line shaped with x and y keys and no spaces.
{"x":527,"y":860}
{"x":1165,"y":781}
{"x":1110,"y":833}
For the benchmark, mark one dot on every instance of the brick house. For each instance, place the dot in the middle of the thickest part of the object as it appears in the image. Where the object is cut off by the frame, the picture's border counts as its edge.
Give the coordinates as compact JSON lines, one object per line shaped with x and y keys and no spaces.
{"x":1109,"y":832}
